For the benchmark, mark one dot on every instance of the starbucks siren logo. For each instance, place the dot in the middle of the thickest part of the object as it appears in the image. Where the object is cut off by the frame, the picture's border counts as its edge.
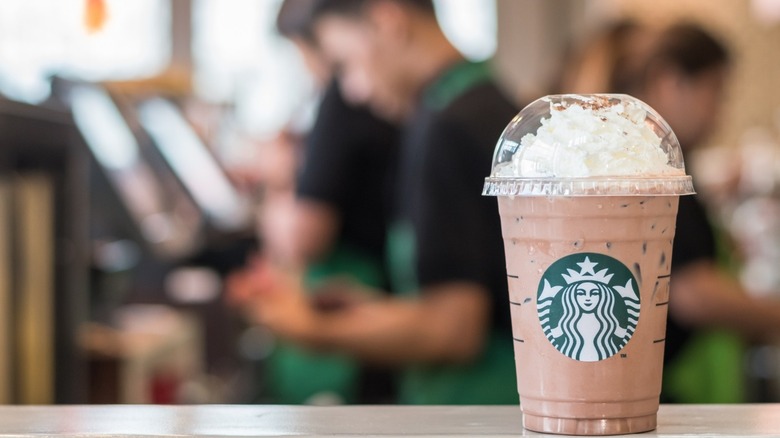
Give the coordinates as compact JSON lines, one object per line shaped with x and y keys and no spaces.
{"x":588,"y":306}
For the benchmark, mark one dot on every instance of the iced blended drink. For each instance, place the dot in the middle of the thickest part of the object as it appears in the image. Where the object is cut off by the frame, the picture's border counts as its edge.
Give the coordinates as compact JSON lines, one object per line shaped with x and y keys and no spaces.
{"x":588,"y":188}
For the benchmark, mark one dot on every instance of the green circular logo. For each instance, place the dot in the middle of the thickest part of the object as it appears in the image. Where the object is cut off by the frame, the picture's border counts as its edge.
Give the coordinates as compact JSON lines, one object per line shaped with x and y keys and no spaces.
{"x":588,"y":305}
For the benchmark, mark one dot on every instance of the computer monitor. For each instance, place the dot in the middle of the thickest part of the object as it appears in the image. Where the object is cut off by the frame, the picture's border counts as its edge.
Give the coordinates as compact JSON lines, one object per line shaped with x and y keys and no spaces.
{"x":165,"y":216}
{"x":193,"y":163}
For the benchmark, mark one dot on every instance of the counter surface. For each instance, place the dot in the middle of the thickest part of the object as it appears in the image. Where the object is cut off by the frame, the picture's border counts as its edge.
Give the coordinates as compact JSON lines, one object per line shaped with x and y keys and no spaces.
{"x":371,"y":421}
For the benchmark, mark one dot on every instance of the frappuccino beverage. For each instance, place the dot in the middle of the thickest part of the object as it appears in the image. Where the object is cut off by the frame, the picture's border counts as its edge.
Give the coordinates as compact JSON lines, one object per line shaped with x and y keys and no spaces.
{"x":587,"y":189}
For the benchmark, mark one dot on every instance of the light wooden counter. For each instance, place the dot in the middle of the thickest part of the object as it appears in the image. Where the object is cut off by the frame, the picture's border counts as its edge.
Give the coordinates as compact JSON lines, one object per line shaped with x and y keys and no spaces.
{"x":372,"y":421}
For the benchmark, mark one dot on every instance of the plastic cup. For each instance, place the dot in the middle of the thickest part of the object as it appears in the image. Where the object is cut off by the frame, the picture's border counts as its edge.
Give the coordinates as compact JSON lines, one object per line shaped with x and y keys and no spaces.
{"x":588,"y":220}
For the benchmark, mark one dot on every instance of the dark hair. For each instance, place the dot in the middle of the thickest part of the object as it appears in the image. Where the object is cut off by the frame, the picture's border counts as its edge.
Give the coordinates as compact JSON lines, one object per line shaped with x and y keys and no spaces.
{"x":355,"y":7}
{"x":686,"y":48}
{"x":295,"y":19}
{"x":689,"y":49}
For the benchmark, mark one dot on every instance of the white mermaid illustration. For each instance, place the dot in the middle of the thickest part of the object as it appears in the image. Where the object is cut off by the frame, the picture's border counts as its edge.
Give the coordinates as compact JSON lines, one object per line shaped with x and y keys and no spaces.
{"x":587,"y":319}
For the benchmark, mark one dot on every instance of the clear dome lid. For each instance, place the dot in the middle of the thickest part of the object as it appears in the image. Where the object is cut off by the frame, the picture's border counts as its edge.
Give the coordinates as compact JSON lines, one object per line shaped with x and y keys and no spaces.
{"x":588,"y":145}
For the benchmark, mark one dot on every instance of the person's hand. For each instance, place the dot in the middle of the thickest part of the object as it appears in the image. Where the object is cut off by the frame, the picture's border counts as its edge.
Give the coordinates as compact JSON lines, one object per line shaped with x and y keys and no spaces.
{"x":284,"y":307}
{"x":243,"y":284}
{"x":341,"y":294}
{"x":273,"y":297}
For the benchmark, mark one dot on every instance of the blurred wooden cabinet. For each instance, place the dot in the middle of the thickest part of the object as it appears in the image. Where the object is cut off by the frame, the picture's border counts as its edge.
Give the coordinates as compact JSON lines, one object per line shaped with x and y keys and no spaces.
{"x":43,"y":255}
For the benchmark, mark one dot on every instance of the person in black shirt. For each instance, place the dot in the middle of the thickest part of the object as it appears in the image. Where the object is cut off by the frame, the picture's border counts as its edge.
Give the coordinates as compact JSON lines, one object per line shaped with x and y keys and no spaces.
{"x":683,"y":79}
{"x":333,"y":228}
{"x":449,"y":326}
{"x":445,"y":232}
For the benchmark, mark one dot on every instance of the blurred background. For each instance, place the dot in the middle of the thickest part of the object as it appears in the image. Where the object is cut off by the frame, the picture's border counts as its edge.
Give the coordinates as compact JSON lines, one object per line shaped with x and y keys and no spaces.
{"x":132,"y":134}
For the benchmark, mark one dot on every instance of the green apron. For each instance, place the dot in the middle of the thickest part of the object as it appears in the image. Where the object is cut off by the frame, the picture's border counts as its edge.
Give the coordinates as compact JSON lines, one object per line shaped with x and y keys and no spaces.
{"x":710,"y":368}
{"x":294,"y":375}
{"x":490,"y":379}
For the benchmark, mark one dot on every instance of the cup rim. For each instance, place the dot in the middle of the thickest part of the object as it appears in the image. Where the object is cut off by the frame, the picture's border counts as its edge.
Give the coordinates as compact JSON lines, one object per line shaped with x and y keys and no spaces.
{"x":676,"y":185}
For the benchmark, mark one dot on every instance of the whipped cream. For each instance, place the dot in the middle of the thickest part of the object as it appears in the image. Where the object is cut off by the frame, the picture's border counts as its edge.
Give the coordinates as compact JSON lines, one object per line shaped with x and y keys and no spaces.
{"x":590,"y":138}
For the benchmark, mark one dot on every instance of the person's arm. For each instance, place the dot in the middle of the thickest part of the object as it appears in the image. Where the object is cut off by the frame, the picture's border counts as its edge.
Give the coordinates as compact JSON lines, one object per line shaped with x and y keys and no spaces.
{"x":296,"y":231}
{"x":315,"y":228}
{"x":448,"y":323}
{"x":703,"y":296}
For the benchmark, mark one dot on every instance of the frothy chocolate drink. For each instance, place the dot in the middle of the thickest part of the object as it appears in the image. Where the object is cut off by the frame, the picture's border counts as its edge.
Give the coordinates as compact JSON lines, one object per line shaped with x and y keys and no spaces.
{"x":588,"y":188}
